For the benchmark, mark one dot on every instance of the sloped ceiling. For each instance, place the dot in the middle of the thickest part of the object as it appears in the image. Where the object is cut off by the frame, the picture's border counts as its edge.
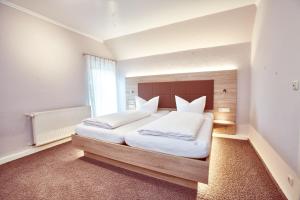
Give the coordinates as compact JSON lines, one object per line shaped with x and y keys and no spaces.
{"x":225,"y":28}
{"x":106,"y":19}
{"x":139,"y":28}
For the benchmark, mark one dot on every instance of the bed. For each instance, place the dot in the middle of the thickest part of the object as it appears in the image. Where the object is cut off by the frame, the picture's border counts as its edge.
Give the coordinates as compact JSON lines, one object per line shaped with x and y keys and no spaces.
{"x":198,"y":148}
{"x":182,"y":169}
{"x":116,"y":135}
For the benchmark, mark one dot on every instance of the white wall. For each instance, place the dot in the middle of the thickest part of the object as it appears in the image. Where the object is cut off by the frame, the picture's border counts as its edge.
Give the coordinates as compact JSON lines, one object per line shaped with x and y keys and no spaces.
{"x":275,"y":107}
{"x":237,"y":56}
{"x":41,"y":67}
{"x":220,"y":29}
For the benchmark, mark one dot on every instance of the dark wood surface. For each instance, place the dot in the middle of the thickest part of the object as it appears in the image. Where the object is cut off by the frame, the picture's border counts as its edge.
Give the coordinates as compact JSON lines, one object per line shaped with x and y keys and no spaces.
{"x":188,"y":90}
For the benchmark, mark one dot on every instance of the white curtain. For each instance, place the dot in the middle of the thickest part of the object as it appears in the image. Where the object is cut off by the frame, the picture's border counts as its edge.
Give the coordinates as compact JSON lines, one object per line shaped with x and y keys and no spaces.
{"x":102,"y":85}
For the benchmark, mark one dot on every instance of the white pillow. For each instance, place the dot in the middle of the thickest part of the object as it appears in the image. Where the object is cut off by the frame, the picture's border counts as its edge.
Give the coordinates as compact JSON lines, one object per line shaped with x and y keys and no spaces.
{"x":196,"y":106}
{"x":147,"y":106}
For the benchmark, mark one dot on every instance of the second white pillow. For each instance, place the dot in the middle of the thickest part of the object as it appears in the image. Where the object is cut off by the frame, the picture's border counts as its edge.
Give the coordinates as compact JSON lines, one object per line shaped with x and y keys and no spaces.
{"x":147,"y":106}
{"x":196,"y":106}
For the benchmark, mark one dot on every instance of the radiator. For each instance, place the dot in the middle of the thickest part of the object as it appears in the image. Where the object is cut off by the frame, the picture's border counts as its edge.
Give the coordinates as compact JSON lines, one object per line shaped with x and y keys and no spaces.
{"x":53,"y":125}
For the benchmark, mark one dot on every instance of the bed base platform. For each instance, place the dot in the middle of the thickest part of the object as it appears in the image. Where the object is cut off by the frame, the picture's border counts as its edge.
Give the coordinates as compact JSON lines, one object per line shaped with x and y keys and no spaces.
{"x":183,"y":171}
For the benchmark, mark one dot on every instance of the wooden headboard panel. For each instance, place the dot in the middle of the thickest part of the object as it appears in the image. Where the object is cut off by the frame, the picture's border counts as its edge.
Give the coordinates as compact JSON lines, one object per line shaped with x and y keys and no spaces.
{"x":188,"y":90}
{"x":222,"y":80}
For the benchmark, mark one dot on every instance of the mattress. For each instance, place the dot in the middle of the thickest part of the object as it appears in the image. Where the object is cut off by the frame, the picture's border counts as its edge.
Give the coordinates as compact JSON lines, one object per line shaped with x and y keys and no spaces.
{"x":116,"y":135}
{"x":198,"y":148}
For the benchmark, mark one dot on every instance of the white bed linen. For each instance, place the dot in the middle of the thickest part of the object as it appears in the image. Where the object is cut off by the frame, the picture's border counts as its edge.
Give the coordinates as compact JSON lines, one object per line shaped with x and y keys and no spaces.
{"x":116,"y":135}
{"x":196,"y":106}
{"x":115,"y":120}
{"x":147,"y":106}
{"x":178,"y":125}
{"x":198,"y":148}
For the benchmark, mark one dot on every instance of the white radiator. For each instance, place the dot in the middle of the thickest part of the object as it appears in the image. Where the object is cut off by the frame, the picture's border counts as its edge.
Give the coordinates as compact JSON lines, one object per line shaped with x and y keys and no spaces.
{"x":52,"y":125}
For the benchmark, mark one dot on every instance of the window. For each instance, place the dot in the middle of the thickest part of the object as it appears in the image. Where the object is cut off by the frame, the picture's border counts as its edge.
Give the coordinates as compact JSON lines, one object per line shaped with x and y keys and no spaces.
{"x":102,"y":85}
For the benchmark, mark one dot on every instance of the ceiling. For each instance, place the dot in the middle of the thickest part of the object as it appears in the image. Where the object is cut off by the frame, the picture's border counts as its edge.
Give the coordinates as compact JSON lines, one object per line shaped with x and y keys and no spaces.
{"x":221,"y":29}
{"x":107,"y":19}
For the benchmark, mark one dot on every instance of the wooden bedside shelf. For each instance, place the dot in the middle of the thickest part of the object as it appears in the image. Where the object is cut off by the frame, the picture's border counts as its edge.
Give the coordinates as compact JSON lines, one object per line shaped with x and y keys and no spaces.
{"x":225,"y":127}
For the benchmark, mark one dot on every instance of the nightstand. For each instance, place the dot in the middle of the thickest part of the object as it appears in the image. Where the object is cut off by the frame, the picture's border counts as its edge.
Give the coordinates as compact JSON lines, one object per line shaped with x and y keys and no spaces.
{"x":225,"y":127}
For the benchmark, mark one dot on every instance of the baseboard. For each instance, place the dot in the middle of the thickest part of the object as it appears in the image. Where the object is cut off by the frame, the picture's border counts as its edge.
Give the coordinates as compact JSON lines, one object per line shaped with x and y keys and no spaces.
{"x":278,"y":168}
{"x":31,"y":150}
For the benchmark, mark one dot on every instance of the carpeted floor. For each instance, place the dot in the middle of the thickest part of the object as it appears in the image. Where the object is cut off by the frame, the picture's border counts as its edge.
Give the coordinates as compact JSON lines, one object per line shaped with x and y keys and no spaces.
{"x":61,"y":173}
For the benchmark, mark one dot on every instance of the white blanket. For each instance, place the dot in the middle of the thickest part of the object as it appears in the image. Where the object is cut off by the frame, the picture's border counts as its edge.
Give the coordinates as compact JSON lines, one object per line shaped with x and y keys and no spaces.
{"x":178,"y":125}
{"x":115,"y":120}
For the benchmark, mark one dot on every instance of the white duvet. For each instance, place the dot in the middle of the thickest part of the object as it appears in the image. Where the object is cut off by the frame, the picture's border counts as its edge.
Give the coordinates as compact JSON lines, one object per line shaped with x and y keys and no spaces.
{"x":178,"y":125}
{"x":115,"y":120}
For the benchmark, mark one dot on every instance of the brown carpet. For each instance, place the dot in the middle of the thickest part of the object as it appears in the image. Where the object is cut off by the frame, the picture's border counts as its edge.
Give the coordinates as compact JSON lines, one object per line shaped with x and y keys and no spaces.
{"x":61,"y":173}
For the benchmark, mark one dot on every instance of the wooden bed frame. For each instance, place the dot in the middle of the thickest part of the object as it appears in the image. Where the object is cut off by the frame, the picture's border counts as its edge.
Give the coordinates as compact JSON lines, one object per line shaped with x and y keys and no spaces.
{"x":175,"y":169}
{"x":183,"y":171}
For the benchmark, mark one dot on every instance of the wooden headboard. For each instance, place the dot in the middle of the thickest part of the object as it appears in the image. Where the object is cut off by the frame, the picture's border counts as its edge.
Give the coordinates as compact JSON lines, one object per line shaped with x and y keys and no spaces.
{"x":222,"y":80}
{"x":188,"y":90}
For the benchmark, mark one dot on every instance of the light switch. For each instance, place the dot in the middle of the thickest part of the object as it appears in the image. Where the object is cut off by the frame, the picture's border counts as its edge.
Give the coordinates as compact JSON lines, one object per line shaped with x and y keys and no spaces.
{"x":295,"y":85}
